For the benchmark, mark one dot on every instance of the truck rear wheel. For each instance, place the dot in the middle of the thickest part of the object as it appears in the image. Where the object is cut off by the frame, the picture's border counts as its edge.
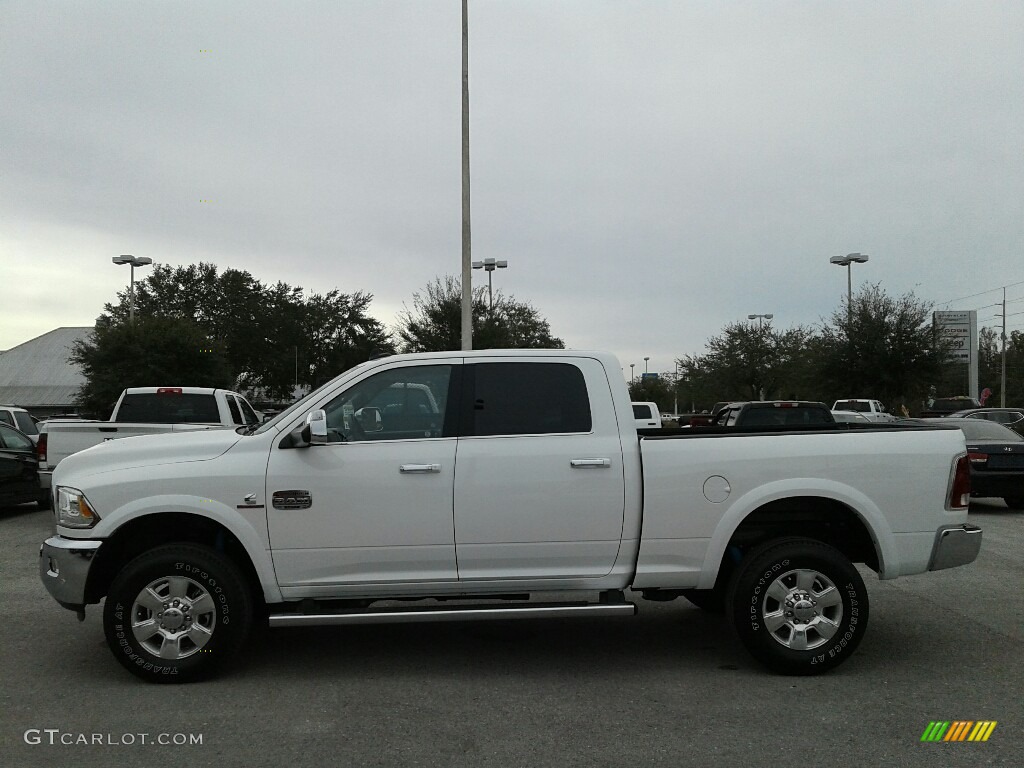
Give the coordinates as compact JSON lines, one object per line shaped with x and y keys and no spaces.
{"x":176,"y":613}
{"x":799,"y":606}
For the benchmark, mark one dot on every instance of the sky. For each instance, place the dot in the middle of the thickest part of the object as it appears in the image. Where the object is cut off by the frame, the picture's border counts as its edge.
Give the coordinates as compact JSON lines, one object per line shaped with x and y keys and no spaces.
{"x":651,"y":170}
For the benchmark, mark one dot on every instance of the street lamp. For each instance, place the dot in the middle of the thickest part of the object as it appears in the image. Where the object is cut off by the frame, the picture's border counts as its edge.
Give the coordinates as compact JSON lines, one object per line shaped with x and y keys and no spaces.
{"x":760,"y":318}
{"x":134,"y":261}
{"x":631,"y":378}
{"x":645,"y":364}
{"x":490,"y":265}
{"x":848,"y":261}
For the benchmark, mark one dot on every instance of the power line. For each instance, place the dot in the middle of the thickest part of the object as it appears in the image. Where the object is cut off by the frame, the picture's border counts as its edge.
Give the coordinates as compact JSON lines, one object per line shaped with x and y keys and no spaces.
{"x":982,"y":293}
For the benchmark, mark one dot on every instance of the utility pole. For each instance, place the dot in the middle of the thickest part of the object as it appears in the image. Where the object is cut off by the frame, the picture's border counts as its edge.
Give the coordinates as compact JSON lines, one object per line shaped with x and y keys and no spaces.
{"x":1002,"y":377}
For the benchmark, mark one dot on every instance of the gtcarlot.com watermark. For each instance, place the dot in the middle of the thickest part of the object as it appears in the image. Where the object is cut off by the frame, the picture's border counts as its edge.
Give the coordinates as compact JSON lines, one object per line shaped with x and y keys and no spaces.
{"x":56,"y":737}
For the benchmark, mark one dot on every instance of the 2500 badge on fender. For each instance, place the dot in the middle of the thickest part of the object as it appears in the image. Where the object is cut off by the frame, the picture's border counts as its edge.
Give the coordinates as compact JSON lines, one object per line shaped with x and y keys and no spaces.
{"x":798,"y":605}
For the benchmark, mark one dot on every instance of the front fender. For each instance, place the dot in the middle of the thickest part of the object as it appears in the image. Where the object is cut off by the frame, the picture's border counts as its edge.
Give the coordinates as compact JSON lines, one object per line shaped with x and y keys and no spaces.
{"x":248,"y":526}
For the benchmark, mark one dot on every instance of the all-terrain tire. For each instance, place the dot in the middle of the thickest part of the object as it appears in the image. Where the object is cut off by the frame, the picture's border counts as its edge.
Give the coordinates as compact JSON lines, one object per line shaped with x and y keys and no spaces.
{"x":176,"y":613}
{"x":798,"y":605}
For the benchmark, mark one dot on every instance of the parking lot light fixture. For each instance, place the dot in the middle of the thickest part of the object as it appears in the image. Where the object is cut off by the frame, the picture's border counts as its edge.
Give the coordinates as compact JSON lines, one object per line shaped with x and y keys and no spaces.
{"x":490,"y":265}
{"x":133,"y":262}
{"x":848,"y":261}
{"x":760,"y":318}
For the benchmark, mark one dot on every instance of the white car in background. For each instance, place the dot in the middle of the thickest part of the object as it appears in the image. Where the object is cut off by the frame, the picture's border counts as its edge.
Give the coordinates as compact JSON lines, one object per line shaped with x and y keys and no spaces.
{"x":17,"y":417}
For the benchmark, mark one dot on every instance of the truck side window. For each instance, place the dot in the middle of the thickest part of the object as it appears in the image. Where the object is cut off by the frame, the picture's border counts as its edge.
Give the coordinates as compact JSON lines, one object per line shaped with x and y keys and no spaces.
{"x":248,"y":414}
{"x":527,"y":399}
{"x":411,"y":403}
{"x":236,"y":415}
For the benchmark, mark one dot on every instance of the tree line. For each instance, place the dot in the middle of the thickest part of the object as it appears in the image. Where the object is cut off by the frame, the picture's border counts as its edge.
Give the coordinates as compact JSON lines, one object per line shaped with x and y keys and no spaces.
{"x":198,"y":326}
{"x":879,"y":347}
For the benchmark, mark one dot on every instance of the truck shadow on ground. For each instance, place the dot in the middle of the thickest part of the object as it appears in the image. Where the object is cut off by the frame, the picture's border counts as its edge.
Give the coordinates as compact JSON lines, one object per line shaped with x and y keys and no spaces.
{"x":684,"y":638}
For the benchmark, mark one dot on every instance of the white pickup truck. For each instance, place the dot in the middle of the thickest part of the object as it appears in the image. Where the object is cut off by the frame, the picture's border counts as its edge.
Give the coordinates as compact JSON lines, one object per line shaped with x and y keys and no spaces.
{"x":480,"y":483}
{"x":142,"y":411}
{"x":872,"y":410}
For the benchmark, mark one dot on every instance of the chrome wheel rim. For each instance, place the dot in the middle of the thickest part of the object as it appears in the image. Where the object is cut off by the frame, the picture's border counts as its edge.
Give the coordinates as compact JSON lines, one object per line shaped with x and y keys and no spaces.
{"x":802,"y":609}
{"x":173,"y":617}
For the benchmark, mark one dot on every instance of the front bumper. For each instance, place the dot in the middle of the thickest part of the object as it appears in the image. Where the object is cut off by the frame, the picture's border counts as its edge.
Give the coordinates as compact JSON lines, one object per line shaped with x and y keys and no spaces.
{"x":955,"y":545}
{"x":64,"y":569}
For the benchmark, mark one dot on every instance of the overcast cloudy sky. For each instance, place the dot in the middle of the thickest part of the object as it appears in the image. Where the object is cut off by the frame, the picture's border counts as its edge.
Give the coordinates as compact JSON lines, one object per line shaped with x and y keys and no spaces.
{"x":651,"y":170}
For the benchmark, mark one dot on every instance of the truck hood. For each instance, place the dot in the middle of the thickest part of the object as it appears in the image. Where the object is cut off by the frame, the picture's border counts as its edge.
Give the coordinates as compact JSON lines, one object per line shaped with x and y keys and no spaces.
{"x":147,"y":451}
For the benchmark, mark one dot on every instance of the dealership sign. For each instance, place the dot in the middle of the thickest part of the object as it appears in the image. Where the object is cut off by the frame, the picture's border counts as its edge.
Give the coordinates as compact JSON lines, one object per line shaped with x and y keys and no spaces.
{"x":960,"y":329}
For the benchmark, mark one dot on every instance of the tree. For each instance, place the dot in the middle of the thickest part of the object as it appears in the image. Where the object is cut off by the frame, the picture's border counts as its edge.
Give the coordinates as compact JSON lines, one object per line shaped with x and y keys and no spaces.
{"x":747,"y":362}
{"x":155,"y":351}
{"x":273,"y":337}
{"x":885,"y":348}
{"x":434,"y":324}
{"x":990,"y":367}
{"x":341,"y":334}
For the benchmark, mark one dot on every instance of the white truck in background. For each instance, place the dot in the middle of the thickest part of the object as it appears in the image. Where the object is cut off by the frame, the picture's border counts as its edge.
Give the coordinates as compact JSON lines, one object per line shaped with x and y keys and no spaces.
{"x":646,"y":415}
{"x":142,"y":411}
{"x":872,"y":410}
{"x":520,"y":477}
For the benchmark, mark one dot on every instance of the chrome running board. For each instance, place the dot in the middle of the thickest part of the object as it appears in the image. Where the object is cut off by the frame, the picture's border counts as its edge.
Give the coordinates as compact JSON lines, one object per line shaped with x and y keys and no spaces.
{"x":466,"y":613}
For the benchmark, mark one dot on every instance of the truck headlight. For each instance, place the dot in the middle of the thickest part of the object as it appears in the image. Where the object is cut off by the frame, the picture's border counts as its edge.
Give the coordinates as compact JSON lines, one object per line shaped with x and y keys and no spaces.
{"x":74,"y":510}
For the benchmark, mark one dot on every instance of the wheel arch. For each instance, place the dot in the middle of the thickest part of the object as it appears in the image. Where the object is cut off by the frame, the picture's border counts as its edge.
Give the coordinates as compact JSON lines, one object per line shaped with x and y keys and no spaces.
{"x":818,"y":515}
{"x":145,"y":532}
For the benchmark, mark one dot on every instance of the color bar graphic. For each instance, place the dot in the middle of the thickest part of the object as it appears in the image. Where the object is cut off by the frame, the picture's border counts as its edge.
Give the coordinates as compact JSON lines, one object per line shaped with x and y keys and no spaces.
{"x":958,"y":730}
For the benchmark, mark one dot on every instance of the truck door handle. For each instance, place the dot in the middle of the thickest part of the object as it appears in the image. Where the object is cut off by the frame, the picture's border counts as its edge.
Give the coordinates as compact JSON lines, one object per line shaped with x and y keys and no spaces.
{"x":411,"y":469}
{"x":590,"y":462}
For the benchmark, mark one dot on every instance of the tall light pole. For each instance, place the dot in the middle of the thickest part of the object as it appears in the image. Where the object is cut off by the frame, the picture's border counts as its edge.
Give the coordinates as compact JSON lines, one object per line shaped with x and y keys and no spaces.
{"x":848,"y":261}
{"x":467,"y":273}
{"x":631,"y":377}
{"x":134,"y":261}
{"x":675,"y":406}
{"x":645,"y":364}
{"x":490,"y":265}
{"x":760,"y":318}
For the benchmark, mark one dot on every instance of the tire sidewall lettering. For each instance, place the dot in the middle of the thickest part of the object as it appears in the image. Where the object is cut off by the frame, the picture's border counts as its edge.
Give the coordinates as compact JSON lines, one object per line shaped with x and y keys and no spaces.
{"x":750,"y":593}
{"x":218,"y":576}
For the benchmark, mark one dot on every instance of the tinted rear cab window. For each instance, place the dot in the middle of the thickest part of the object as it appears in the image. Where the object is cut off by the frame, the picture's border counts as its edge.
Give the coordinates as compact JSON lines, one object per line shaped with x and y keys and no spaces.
{"x":526,"y":399}
{"x":169,"y":408}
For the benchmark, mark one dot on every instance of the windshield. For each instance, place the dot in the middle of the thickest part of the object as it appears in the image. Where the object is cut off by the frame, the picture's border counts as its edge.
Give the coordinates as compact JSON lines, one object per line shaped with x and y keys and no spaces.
{"x":26,"y":423}
{"x":289,"y":413}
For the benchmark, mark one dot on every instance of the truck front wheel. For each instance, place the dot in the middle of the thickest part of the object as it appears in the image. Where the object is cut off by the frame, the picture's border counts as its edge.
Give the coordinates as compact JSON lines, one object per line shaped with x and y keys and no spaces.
{"x":176,"y":613}
{"x":798,"y":605}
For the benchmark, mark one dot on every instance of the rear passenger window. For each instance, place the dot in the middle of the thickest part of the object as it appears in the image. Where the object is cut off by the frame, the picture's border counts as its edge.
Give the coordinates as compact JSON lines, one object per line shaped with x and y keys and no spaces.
{"x":527,"y":399}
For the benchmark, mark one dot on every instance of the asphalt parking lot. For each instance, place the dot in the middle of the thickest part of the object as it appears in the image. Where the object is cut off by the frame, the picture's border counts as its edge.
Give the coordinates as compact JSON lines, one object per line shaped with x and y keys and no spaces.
{"x":668,"y":687}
